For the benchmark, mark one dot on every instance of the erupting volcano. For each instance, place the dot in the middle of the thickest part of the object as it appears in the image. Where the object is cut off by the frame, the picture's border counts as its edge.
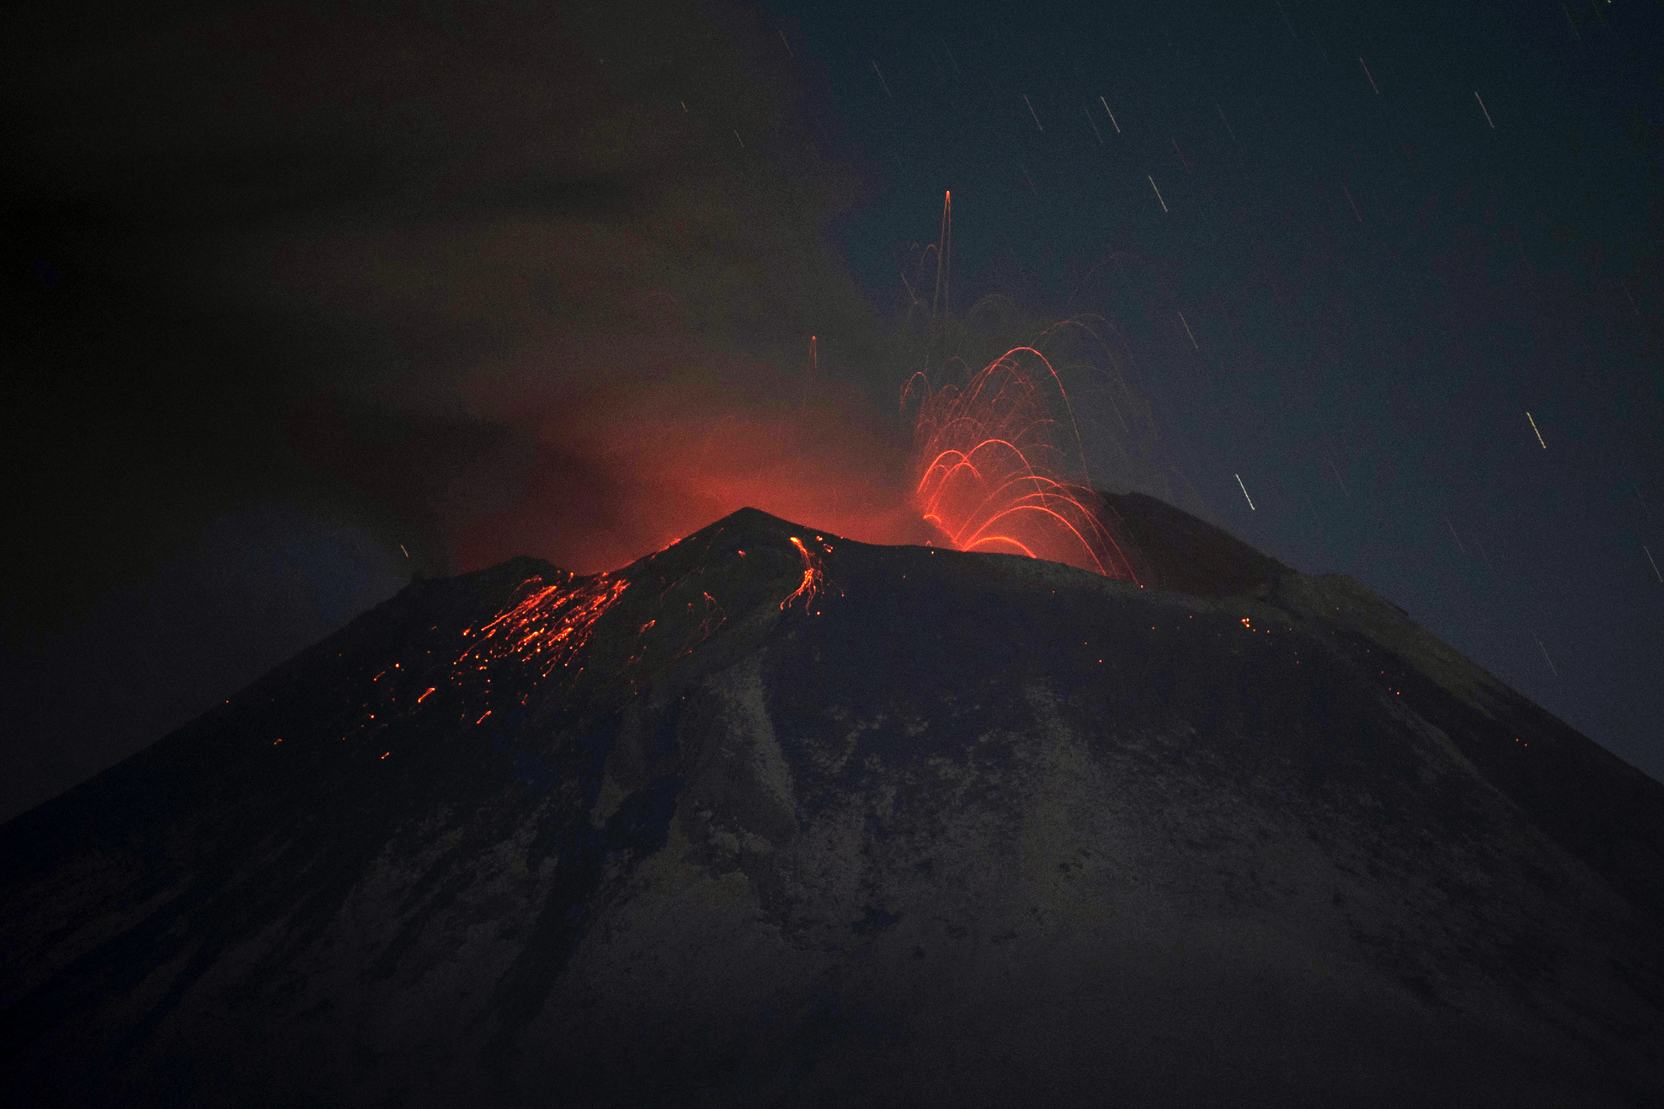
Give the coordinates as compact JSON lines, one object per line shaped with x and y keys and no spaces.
{"x":771,"y":817}
{"x":997,"y":457}
{"x":1001,"y":470}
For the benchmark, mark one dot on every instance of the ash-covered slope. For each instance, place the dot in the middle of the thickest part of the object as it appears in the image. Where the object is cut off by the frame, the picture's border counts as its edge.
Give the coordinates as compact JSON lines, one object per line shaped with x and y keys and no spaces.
{"x":775,"y":818}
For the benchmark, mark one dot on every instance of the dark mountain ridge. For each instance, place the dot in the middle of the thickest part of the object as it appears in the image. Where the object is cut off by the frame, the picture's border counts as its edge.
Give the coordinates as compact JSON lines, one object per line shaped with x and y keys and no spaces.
{"x":771,"y":817}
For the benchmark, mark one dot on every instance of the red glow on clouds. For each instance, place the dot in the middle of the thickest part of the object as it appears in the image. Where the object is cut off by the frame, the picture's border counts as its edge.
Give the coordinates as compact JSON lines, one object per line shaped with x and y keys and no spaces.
{"x":595,"y":472}
{"x":623,"y":472}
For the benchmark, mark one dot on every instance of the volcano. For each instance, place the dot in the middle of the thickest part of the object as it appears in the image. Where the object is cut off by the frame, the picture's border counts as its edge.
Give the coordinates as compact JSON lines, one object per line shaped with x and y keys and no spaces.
{"x":771,"y":817}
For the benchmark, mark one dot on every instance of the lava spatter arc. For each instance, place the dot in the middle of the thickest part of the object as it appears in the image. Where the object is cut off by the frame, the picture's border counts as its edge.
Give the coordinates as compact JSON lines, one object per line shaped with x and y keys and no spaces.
{"x":998,"y":466}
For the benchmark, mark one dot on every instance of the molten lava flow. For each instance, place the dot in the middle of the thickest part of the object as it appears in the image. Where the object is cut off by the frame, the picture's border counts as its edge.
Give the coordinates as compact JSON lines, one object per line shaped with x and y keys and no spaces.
{"x":546,"y":626}
{"x":992,"y":471}
{"x":711,"y":617}
{"x":813,"y":577}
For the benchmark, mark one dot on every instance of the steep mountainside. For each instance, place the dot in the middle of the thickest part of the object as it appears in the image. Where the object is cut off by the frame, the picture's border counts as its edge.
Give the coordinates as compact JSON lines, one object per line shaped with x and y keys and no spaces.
{"x":771,"y":817}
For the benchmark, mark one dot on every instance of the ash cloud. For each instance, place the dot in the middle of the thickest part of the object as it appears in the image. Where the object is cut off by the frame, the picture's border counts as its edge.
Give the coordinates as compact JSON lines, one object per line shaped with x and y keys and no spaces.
{"x":491,"y":282}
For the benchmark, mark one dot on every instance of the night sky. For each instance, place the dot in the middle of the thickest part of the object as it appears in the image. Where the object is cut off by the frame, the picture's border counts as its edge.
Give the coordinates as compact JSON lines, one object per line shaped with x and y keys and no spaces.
{"x":302,"y":304}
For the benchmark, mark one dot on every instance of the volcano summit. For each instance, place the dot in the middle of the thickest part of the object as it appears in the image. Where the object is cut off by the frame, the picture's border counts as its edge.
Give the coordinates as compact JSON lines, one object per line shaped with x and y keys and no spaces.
{"x":775,"y":818}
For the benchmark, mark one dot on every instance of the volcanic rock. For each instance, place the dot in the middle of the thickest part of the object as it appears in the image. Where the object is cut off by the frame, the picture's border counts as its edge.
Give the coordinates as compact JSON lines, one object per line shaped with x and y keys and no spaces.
{"x":775,"y":818}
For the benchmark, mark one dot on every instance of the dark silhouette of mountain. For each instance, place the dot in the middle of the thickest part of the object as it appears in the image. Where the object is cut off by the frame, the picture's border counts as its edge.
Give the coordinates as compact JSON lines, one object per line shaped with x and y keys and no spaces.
{"x":1188,"y":555}
{"x":774,"y":818}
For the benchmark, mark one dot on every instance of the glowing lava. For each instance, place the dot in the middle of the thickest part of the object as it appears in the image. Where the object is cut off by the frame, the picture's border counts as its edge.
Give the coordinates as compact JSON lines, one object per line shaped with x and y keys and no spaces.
{"x":546,"y":625}
{"x":813,"y":577}
{"x":993,"y":472}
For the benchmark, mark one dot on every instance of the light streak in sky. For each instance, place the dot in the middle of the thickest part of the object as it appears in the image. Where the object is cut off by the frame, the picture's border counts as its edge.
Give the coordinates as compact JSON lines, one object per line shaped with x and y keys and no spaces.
{"x":1244,"y":489}
{"x":1484,"y":109}
{"x":881,"y":80}
{"x":1286,"y":23}
{"x":1454,"y":536}
{"x":406,"y":553}
{"x":1031,"y":112}
{"x":1655,"y":572}
{"x":1371,"y":77}
{"x":1338,"y":478}
{"x":1152,"y":182}
{"x":1546,"y":659}
{"x":1094,"y":124}
{"x":1187,"y":331}
{"x":957,"y":71}
{"x":1352,"y":202}
{"x":1111,"y":115}
{"x":1225,"y":121}
{"x":788,"y":46}
{"x":1330,"y":444}
{"x":1538,"y":433}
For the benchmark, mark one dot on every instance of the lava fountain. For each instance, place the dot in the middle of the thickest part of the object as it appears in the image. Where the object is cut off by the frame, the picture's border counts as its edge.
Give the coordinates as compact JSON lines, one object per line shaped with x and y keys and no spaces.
{"x":997,"y":457}
{"x":998,"y":466}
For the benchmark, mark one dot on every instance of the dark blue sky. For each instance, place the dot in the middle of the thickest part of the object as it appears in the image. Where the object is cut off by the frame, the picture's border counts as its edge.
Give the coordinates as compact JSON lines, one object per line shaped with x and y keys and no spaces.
{"x":294,"y":292}
{"x":1381,"y":281}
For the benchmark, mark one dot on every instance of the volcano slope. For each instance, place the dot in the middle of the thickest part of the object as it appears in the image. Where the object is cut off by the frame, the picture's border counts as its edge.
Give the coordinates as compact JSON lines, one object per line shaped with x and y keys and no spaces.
{"x":771,"y":817}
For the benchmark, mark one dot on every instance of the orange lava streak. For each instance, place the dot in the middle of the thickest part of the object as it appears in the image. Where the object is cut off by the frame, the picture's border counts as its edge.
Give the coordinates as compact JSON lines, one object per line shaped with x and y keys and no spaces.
{"x":1006,"y":539}
{"x":712,"y":618}
{"x":812,"y":578}
{"x":547,"y":626}
{"x":997,"y":467}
